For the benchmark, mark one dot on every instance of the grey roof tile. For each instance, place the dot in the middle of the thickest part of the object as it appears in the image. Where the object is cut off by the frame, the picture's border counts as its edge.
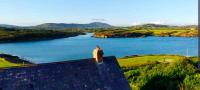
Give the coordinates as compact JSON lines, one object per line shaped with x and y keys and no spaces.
{"x":83,"y":74}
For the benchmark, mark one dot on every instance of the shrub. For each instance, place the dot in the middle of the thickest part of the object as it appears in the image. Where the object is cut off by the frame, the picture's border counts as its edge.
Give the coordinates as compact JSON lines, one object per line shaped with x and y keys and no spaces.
{"x":192,"y":82}
{"x":173,"y":76}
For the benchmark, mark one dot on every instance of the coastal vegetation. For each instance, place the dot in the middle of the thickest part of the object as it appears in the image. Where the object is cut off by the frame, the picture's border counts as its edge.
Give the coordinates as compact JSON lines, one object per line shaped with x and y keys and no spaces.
{"x":161,"y":72}
{"x":5,"y":64}
{"x":7,"y":61}
{"x":21,"y":35}
{"x":145,"y":33}
{"x":147,"y":30}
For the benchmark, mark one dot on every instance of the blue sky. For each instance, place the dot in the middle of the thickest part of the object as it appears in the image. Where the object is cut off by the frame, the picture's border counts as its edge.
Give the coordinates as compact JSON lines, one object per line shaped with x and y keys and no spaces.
{"x":115,"y":12}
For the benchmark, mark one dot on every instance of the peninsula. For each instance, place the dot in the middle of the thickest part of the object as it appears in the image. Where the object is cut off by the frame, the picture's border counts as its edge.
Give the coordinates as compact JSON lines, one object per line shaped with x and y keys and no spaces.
{"x":23,"y":35}
{"x":148,"y":30}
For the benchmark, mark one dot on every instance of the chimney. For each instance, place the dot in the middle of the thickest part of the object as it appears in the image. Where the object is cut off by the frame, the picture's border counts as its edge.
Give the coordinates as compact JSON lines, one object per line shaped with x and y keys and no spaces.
{"x":98,"y":54}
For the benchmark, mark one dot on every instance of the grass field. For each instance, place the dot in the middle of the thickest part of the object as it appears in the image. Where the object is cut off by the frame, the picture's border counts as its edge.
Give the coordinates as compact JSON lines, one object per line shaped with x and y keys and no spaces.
{"x":161,"y":72}
{"x":6,"y":64}
{"x":148,"y":59}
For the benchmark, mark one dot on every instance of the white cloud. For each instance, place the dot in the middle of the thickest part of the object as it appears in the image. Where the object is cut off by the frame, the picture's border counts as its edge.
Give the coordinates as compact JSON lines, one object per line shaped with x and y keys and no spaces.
{"x":157,"y":22}
{"x":152,"y":22}
{"x":136,"y":23}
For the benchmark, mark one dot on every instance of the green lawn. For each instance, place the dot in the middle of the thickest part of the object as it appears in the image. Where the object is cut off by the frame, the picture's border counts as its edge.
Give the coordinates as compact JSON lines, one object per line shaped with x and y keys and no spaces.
{"x":148,"y":59}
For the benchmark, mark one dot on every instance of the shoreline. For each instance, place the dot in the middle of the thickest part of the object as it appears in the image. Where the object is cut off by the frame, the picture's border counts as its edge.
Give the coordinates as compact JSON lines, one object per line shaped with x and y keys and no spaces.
{"x":145,"y":33}
{"x":15,"y":59}
{"x":9,"y":35}
{"x":104,"y":36}
{"x":12,"y":40}
{"x":145,"y":37}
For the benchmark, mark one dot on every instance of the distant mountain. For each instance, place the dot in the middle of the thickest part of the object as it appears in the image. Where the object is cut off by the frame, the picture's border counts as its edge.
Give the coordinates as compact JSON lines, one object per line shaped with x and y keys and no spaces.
{"x":64,"y":25}
{"x":60,"y":26}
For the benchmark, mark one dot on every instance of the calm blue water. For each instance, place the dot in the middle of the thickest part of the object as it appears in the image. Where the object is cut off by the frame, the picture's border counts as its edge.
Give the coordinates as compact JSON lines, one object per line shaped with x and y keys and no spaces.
{"x":81,"y":47}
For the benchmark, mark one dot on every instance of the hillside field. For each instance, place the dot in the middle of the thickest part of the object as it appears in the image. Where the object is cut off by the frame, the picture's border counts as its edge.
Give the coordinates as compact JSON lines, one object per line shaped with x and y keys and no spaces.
{"x":161,"y":72}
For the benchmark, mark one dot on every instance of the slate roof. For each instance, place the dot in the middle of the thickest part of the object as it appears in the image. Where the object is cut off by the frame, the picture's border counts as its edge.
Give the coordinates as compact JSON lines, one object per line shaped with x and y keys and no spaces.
{"x":83,"y":74}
